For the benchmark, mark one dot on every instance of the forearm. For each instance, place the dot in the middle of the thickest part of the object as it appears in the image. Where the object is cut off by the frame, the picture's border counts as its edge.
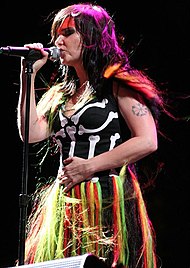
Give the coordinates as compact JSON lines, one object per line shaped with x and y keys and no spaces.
{"x":129,"y":152}
{"x":36,"y":124}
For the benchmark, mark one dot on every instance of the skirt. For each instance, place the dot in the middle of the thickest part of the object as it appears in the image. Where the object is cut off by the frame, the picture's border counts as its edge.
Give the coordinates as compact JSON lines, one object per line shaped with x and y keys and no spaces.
{"x":105,"y":216}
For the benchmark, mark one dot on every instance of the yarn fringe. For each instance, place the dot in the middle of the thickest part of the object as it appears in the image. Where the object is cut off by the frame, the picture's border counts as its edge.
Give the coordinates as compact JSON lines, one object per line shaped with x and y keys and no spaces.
{"x":64,"y":225}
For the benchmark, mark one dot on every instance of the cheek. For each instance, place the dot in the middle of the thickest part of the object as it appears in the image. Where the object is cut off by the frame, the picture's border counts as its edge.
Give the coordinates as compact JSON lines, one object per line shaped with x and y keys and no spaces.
{"x":78,"y":42}
{"x":77,"y":45}
{"x":79,"y":48}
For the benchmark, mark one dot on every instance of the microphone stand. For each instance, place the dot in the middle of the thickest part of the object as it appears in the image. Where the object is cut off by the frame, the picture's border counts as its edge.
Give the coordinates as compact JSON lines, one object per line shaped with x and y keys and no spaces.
{"x":23,"y":197}
{"x":31,"y":57}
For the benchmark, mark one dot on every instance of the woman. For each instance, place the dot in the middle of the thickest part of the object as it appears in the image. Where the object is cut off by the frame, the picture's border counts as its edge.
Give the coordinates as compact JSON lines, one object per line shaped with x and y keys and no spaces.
{"x":102,"y":114}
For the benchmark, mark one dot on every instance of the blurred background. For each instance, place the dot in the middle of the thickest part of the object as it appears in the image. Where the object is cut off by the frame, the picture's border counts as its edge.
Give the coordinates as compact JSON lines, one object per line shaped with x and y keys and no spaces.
{"x":158,"y":35}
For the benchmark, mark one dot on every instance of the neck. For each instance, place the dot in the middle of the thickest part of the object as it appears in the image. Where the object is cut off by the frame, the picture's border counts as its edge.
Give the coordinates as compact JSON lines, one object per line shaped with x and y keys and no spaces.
{"x":79,"y":98}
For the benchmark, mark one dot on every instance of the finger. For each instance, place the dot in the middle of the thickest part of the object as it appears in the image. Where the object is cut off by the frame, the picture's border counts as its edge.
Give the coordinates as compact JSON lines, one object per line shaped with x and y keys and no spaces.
{"x":34,"y":45}
{"x":65,"y":189}
{"x":68,"y":160}
{"x":68,"y":187}
{"x":63,"y":180}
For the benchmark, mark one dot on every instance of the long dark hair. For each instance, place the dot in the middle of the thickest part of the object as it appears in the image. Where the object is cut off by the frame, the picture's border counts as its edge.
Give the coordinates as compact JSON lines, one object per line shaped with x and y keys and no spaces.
{"x":100,"y":44}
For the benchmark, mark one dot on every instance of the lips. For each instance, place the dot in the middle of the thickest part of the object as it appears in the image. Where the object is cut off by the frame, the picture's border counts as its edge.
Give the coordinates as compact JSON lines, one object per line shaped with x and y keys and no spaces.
{"x":62,"y":52}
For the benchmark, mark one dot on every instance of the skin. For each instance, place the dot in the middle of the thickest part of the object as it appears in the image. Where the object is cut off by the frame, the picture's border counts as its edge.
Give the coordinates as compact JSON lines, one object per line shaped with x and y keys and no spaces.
{"x":143,"y":139}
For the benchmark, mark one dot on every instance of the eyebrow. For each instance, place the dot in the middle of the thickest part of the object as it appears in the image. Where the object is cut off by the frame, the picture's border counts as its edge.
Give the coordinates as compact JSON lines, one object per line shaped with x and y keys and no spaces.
{"x":62,"y":30}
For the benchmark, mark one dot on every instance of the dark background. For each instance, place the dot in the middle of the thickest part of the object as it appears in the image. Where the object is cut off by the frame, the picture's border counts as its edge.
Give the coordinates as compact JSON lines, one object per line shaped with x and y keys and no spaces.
{"x":161,"y":30}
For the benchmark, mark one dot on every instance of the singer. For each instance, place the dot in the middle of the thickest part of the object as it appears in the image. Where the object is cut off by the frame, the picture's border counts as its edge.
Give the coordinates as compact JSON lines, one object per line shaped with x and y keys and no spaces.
{"x":102,"y":115}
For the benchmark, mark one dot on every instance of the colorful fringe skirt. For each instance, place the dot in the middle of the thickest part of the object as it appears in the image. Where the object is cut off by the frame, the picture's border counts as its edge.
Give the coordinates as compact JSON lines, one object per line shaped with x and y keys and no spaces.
{"x":104,"y":216}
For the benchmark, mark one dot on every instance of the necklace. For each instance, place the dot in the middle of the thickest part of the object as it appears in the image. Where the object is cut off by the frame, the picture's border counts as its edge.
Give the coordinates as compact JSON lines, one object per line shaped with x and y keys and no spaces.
{"x":79,"y":93}
{"x":78,"y":99}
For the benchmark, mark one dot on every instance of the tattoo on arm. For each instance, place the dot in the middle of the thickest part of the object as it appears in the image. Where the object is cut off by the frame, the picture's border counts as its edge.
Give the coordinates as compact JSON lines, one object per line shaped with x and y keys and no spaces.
{"x":139,"y":109}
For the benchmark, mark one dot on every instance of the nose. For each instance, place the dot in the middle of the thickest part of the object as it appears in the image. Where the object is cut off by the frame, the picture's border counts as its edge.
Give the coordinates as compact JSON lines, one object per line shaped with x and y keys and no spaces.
{"x":59,"y":41}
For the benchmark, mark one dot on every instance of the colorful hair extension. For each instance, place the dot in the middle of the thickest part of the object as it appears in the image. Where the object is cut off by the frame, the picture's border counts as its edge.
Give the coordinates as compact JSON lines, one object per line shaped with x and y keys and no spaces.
{"x":135,"y":79}
{"x":148,"y":247}
{"x":121,"y":251}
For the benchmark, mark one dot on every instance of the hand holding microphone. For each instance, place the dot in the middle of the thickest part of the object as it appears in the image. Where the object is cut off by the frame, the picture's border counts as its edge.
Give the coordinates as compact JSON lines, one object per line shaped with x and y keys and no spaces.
{"x":31,"y":52}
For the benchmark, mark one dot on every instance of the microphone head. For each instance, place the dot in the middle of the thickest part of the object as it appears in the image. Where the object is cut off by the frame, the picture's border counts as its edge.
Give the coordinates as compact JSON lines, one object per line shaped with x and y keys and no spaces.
{"x":54,"y":53}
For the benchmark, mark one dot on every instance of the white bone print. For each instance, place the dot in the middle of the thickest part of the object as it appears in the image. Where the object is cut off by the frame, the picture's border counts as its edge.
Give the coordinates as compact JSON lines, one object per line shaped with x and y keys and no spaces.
{"x":111,"y":116}
{"x":113,"y":140}
{"x":75,"y":118}
{"x":93,"y":140}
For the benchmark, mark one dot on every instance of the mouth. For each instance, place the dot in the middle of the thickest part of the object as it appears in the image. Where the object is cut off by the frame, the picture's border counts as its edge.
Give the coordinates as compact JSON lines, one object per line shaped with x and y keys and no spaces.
{"x":62,"y":52}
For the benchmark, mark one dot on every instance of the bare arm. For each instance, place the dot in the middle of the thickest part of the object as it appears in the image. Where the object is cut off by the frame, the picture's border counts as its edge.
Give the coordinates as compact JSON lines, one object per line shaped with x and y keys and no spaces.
{"x":38,"y":127}
{"x":143,"y":139}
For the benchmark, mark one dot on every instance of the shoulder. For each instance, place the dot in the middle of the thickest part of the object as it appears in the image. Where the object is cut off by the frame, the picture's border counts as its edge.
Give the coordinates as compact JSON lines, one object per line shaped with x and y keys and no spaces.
{"x":131,"y":103}
{"x":123,"y":91}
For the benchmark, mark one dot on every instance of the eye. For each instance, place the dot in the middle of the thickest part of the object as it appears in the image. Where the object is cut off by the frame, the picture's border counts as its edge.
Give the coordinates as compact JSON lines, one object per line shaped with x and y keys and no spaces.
{"x":66,"y":31}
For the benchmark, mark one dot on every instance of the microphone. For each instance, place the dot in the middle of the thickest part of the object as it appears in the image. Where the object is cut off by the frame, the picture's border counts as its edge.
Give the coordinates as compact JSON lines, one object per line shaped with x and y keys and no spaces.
{"x":30,"y":54}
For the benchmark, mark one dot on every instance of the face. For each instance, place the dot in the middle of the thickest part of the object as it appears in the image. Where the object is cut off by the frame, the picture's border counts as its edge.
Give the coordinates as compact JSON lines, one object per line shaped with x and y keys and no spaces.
{"x":69,"y":42}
